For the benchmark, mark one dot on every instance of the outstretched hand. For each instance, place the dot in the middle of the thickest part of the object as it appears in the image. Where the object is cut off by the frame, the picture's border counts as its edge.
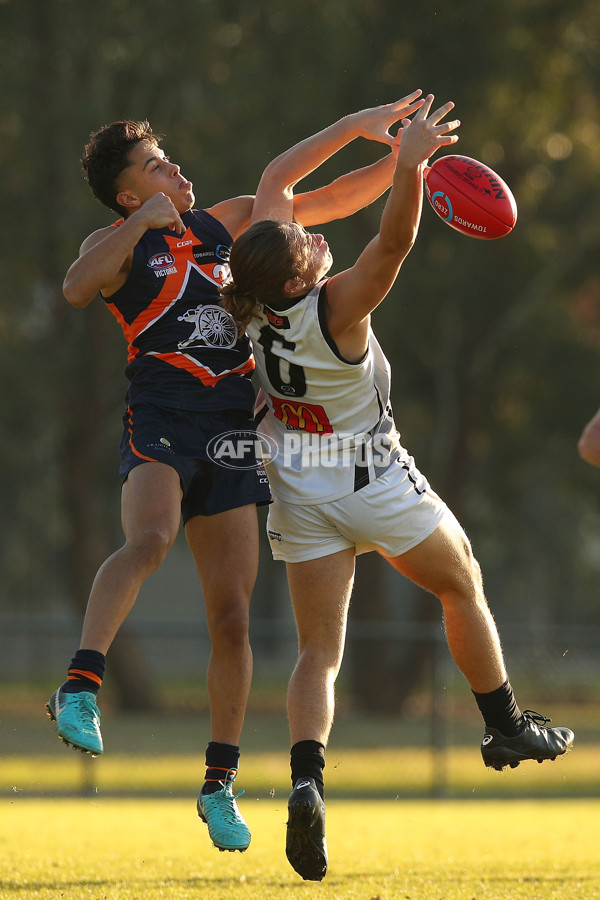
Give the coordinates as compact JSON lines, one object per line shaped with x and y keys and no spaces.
{"x":421,"y":136}
{"x":374,"y":124}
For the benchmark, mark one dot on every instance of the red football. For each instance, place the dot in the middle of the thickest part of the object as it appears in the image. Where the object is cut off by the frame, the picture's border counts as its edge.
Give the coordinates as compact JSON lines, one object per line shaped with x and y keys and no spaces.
{"x":470,"y":197}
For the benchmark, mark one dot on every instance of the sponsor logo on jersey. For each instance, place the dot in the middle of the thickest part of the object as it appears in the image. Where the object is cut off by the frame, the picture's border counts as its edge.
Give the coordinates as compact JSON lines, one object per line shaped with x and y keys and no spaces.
{"x":204,"y":252}
{"x":301,"y":416}
{"x":200,"y":252}
{"x":275,"y":319}
{"x":274,"y":536}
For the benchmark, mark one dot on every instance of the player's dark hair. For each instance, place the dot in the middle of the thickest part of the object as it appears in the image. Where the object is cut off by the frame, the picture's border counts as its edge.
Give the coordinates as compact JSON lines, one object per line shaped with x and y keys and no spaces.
{"x":262,"y":259}
{"x":107,"y":155}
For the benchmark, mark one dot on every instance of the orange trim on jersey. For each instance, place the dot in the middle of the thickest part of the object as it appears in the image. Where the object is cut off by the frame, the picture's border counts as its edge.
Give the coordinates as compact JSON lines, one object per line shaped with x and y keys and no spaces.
{"x":72,"y":673}
{"x":168,"y":294}
{"x":206,"y":375}
{"x":171,"y":291}
{"x":118,"y":316}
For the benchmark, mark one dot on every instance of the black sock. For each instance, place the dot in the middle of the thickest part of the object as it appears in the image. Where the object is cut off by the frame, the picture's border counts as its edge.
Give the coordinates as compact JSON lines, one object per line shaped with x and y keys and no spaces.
{"x":85,"y":672}
{"x":221,"y":759}
{"x":307,"y":759}
{"x":499,"y":710}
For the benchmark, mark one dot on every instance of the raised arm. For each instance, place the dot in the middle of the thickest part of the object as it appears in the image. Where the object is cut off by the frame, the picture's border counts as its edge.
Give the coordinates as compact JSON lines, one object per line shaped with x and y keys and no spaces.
{"x":275,"y":194}
{"x":346,"y":195}
{"x":343,"y":197}
{"x":354,"y":293}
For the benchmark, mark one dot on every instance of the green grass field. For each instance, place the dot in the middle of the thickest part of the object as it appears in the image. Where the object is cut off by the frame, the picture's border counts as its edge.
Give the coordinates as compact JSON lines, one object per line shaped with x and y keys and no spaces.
{"x":526,"y":834}
{"x":411,"y":850}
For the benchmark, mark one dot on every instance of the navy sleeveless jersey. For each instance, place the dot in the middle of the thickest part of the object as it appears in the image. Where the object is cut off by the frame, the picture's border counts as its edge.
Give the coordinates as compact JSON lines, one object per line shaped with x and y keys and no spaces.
{"x":184,"y":350}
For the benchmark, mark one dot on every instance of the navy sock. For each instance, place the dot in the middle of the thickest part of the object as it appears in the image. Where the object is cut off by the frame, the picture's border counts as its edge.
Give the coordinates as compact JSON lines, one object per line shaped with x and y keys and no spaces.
{"x":499,"y":710}
{"x":307,"y":760}
{"x":85,"y":673}
{"x":220,"y":759}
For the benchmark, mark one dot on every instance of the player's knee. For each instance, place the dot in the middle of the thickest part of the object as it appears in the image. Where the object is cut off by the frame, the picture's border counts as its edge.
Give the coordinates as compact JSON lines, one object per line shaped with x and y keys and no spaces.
{"x":151,"y":547}
{"x":229,"y":626}
{"x":464,"y":584}
{"x":323,"y":655}
{"x":469,"y":575}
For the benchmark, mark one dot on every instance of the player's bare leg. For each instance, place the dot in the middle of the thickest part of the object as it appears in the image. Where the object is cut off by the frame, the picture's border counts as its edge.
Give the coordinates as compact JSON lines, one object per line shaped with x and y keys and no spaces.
{"x":151,"y":516}
{"x":320,"y":591}
{"x":225,"y":547}
{"x":151,"y":501}
{"x":444,"y":564}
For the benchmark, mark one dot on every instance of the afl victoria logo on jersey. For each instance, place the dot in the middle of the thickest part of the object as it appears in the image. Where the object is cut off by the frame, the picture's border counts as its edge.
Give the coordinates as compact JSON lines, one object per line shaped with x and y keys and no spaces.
{"x":162,"y":264}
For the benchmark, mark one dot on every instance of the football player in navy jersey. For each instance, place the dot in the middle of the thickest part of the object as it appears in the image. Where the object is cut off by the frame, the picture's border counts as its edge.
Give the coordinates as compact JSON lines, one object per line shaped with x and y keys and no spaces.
{"x":342,"y":483}
{"x":158,"y":269}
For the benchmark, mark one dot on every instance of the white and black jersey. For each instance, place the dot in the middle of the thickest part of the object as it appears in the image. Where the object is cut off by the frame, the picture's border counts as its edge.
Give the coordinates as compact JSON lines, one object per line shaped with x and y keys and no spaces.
{"x":326,"y":424}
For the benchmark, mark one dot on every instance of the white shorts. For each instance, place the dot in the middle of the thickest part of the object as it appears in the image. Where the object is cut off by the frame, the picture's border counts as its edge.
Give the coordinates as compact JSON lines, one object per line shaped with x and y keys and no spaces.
{"x":392,"y":514}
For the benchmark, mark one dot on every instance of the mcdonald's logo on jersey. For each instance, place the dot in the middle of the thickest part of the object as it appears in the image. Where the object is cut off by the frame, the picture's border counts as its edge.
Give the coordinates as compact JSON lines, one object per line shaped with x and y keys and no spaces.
{"x":301,"y":416}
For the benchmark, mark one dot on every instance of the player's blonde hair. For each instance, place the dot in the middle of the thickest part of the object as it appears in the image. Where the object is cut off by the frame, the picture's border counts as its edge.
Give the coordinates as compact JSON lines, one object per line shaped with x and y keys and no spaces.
{"x":262,"y":259}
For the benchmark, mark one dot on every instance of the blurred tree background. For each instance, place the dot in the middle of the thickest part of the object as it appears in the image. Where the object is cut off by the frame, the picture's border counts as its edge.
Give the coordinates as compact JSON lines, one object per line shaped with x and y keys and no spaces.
{"x":494,"y":346}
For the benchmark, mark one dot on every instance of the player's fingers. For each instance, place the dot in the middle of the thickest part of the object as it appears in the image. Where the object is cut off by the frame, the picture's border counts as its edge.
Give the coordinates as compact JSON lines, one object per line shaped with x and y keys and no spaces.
{"x":441,"y":112}
{"x":424,"y":111}
{"x":449,"y":126}
{"x":408,"y":110}
{"x":177,"y":225}
{"x":383,"y":137}
{"x":405,"y":101}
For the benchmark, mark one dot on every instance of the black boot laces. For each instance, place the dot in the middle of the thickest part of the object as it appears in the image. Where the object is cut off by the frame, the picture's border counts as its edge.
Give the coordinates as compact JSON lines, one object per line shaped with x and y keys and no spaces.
{"x":535,"y":717}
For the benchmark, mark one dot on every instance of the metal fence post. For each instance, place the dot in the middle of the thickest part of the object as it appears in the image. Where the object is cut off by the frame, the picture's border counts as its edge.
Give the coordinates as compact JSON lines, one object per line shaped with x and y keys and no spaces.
{"x":439,"y":714}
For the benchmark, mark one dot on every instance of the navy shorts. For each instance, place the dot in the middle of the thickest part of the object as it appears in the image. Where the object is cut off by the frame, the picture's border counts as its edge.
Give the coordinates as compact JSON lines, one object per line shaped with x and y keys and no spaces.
{"x":212,"y":482}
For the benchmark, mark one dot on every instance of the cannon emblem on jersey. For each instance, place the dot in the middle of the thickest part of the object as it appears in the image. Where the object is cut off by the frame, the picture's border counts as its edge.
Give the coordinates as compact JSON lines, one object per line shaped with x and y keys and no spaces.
{"x":213,"y":327}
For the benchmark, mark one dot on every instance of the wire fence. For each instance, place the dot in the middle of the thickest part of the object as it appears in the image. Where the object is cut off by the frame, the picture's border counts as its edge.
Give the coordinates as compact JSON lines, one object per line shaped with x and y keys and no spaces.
{"x":555,"y":670}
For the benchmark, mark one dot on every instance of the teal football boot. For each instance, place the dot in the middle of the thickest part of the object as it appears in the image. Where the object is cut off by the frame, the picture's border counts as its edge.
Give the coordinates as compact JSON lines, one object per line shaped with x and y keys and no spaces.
{"x":77,"y":720}
{"x":226,"y":826}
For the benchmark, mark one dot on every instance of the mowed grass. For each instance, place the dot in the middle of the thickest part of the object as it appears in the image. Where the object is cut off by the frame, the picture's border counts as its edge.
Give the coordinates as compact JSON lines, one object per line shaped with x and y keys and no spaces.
{"x":408,"y":772}
{"x":109,"y":849}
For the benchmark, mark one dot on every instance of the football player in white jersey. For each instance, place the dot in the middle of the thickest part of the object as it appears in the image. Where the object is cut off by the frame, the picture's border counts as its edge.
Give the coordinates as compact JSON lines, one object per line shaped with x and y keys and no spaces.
{"x":342,"y":483}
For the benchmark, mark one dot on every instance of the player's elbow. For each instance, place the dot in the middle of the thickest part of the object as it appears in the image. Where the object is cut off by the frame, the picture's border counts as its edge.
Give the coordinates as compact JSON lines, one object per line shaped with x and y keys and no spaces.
{"x":276,"y":177}
{"x":400,"y":243}
{"x":74,"y":294}
{"x":588,"y":448}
